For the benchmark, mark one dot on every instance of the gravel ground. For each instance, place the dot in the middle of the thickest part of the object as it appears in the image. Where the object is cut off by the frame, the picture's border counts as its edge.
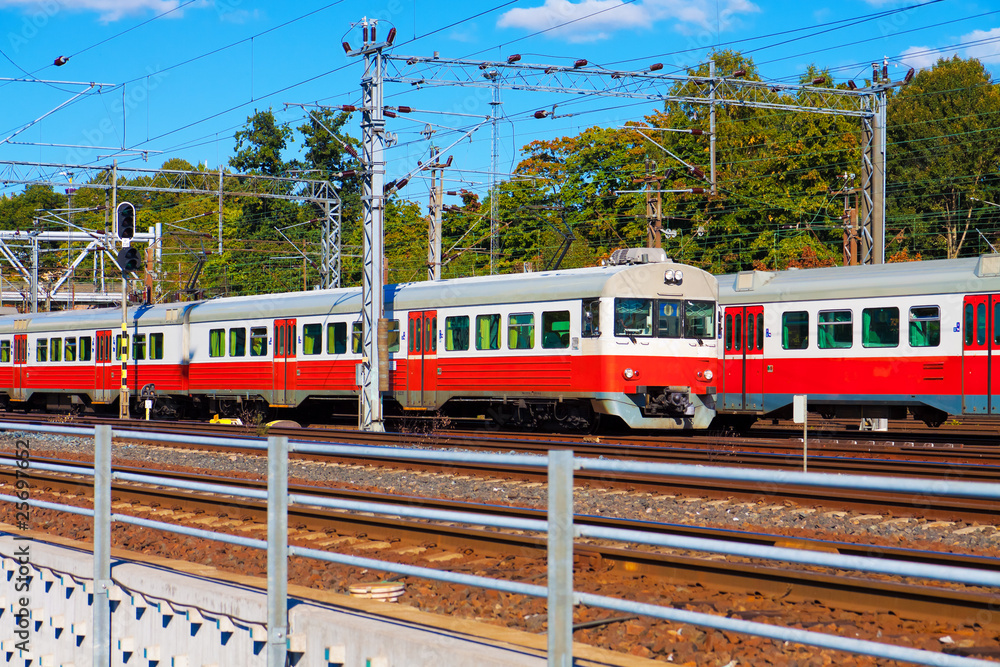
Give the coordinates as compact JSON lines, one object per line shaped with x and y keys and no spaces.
{"x":787,"y":518}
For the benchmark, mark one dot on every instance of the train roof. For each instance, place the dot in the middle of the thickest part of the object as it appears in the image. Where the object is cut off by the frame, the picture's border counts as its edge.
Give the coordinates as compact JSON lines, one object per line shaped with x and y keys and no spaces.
{"x":645,"y":279}
{"x":942,"y":276}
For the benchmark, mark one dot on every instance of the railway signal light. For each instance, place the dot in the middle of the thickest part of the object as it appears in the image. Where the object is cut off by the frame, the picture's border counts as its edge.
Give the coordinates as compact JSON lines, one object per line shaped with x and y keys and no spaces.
{"x":125,"y":220}
{"x":128,"y":259}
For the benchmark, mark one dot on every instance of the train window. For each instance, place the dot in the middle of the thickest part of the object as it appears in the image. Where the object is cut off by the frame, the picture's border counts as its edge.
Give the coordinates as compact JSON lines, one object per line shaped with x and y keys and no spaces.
{"x":217,"y":343}
{"x":521,"y":331}
{"x":156,"y":345}
{"x":42,"y":350}
{"x":394,"y":335}
{"x":312,"y":338}
{"x":237,"y":342}
{"x":55,"y":349}
{"x":119,"y":348}
{"x":555,"y":329}
{"x":969,"y":323}
{"x":430,"y":329}
{"x":980,"y":323}
{"x":668,"y":319}
{"x":139,"y":347}
{"x":760,"y":331}
{"x":633,"y":317}
{"x":456,"y":333}
{"x":336,"y":338}
{"x":591,"y":318}
{"x":734,"y":331}
{"x":996,"y":316}
{"x":880,"y":327}
{"x":85,"y":342}
{"x":357,"y":337}
{"x":925,"y":326}
{"x":279,"y":339}
{"x":750,"y":331}
{"x":835,"y":329}
{"x":488,"y":332}
{"x":292,"y":339}
{"x":69,"y":352}
{"x":699,"y":319}
{"x":795,"y":330}
{"x":258,"y":341}
{"x":414,"y":334}
{"x":4,"y":351}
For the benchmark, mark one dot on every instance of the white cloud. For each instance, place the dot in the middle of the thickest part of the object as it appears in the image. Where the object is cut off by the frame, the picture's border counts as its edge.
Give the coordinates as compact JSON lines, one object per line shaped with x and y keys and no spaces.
{"x":988,"y":51}
{"x":592,"y":20}
{"x":110,"y":10}
{"x":920,"y":57}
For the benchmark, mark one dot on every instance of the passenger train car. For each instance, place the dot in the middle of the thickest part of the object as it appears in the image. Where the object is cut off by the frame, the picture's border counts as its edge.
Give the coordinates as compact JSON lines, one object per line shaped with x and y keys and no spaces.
{"x":869,"y":342}
{"x":635,"y":340}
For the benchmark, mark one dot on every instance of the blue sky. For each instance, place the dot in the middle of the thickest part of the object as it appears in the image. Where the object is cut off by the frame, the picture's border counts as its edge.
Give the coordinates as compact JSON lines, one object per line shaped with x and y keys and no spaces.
{"x":182,"y":77}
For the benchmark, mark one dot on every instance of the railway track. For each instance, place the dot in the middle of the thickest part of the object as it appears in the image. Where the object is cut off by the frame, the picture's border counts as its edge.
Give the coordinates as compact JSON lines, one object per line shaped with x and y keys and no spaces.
{"x":921,"y":505}
{"x":835,"y":589}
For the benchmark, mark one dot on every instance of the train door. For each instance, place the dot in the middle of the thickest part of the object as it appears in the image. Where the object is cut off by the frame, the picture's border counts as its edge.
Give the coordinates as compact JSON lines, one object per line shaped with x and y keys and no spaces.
{"x":421,"y":360}
{"x":979,"y":331}
{"x":743,"y":360}
{"x":285,"y":368}
{"x":20,"y":367}
{"x":104,"y":389}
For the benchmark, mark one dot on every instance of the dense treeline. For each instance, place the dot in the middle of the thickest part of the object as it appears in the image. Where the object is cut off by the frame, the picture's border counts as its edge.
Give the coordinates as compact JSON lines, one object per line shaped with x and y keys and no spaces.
{"x":782,"y":182}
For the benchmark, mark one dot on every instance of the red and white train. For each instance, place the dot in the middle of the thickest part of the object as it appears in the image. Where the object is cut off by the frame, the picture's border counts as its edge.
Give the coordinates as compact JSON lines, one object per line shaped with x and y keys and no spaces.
{"x":653,"y":343}
{"x":868,"y":342}
{"x":636,"y":340}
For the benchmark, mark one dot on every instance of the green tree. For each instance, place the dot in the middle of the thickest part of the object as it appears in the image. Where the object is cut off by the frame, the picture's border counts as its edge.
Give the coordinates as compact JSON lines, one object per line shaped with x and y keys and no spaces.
{"x":943,"y":153}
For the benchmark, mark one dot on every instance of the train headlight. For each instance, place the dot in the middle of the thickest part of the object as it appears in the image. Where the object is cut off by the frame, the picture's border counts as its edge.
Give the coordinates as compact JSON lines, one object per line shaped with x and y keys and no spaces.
{"x":678,"y":276}
{"x":668,"y":277}
{"x":628,"y":373}
{"x":708,"y":374}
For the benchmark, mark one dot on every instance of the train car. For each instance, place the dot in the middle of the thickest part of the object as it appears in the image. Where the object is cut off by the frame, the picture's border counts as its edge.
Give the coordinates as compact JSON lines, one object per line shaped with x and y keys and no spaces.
{"x":633,"y":340}
{"x":866,"y":342}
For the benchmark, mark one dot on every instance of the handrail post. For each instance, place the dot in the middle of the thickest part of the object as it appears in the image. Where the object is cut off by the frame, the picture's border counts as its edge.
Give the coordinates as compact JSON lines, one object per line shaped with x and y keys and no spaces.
{"x":560,"y":558}
{"x":277,"y":550}
{"x":102,"y":545}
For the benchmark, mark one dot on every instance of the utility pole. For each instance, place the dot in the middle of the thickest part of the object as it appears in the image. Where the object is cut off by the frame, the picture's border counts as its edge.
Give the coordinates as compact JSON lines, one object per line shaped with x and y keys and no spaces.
{"x":373,"y":204}
{"x":654,"y":205}
{"x":434,"y":232}
{"x":850,"y":219}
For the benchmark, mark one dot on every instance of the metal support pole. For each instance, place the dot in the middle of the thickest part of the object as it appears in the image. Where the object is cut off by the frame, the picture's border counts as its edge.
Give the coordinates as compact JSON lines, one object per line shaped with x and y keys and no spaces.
{"x":277,"y":550}
{"x":434,"y":224}
{"x":711,"y":122}
{"x":494,"y":166}
{"x":878,"y":163}
{"x":373,"y":203}
{"x":220,"y":207}
{"x":102,"y":545}
{"x":34,"y":274}
{"x":560,"y":558}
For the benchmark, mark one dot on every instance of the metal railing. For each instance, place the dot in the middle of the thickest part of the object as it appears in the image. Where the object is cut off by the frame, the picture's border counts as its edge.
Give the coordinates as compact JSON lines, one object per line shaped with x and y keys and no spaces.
{"x":559,"y":527}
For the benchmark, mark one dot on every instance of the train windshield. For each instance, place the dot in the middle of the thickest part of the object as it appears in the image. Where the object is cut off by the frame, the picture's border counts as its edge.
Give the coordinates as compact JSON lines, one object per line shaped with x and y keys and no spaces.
{"x":699,"y":319}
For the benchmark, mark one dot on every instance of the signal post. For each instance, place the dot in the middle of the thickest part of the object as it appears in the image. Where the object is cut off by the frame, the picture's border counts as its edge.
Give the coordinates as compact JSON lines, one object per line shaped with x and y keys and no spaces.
{"x":128,"y":261}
